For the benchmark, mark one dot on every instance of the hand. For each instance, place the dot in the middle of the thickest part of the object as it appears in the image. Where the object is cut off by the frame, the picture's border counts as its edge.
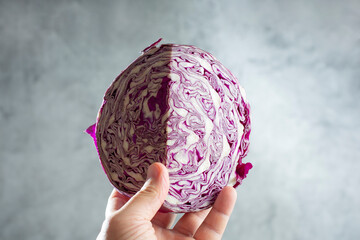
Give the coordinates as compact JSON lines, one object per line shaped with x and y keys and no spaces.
{"x":138,"y":217}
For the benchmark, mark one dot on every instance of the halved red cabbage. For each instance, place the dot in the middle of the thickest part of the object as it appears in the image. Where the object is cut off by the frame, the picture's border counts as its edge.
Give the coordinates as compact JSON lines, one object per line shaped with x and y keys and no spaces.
{"x":178,"y":105}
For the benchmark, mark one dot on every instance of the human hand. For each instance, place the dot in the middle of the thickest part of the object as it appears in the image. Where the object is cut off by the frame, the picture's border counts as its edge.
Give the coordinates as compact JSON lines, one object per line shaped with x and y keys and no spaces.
{"x":138,"y":217}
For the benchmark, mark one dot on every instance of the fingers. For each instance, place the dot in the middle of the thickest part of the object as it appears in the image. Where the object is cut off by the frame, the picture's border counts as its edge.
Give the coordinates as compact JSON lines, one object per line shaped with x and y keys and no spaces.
{"x":214,"y":224}
{"x":164,"y":220}
{"x":115,"y":202}
{"x":190,"y":222}
{"x":145,"y":203}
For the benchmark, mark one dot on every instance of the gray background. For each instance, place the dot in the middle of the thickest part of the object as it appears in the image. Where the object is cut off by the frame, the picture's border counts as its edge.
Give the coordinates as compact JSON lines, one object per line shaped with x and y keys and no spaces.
{"x":299,"y":62}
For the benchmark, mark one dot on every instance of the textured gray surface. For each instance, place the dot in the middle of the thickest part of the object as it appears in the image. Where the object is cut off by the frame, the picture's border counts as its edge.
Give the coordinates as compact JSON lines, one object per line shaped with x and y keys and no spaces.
{"x":298,"y":60}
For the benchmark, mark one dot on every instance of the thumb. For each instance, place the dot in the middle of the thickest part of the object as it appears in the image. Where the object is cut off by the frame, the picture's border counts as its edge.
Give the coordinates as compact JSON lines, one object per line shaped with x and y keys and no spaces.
{"x":151,"y":196}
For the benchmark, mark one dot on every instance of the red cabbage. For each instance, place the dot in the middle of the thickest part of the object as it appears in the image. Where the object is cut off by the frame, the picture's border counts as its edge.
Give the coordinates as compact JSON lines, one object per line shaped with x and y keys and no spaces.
{"x":178,"y":105}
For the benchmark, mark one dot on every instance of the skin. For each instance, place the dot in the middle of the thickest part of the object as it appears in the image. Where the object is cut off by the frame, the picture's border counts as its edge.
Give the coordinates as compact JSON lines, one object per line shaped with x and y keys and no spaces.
{"x":138,"y":217}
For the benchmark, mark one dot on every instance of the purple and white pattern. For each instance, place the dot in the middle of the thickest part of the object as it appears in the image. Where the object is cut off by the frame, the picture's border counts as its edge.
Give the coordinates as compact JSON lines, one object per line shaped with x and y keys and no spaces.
{"x":178,"y":105}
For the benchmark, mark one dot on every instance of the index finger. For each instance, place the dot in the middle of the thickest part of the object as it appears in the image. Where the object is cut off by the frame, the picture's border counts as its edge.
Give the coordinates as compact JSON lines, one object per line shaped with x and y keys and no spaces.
{"x":115,"y":202}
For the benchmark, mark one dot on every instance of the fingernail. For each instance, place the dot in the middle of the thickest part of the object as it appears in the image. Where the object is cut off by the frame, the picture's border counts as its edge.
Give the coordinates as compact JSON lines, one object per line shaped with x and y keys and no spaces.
{"x":153,"y":172}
